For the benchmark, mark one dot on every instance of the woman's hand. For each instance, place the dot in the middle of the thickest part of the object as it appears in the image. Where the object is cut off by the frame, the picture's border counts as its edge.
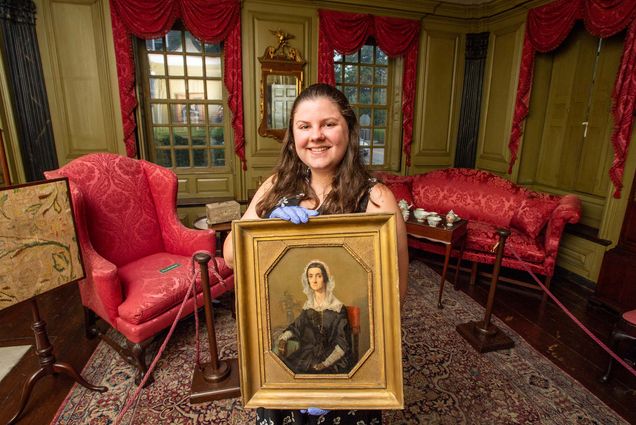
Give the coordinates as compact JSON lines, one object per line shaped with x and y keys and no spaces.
{"x":319,"y":366}
{"x":282,"y":347}
{"x":294,"y":214}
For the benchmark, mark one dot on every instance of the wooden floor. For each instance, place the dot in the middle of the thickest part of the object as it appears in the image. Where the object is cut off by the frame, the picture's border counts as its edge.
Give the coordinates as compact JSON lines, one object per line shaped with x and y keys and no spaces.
{"x":541,"y":323}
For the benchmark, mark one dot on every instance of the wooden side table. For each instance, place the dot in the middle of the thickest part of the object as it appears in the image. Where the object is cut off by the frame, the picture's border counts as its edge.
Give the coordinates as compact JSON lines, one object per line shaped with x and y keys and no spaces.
{"x":222,"y":230}
{"x":451,"y":236}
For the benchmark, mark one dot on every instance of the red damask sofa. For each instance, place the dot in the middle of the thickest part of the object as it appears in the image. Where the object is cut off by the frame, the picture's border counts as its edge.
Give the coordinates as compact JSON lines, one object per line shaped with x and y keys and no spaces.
{"x":536,"y":220}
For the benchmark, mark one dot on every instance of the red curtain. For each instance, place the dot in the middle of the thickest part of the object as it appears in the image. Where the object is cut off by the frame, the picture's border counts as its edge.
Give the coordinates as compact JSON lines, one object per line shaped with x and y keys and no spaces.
{"x":347,"y":33}
{"x":546,"y":28}
{"x":211,"y":21}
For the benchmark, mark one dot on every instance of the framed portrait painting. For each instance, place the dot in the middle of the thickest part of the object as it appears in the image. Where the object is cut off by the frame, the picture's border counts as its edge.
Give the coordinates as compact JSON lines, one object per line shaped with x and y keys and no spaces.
{"x":318,"y":312}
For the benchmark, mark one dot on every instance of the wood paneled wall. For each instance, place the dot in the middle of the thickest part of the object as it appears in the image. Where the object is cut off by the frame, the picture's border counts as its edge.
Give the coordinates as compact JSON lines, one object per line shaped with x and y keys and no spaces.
{"x":80,"y":72}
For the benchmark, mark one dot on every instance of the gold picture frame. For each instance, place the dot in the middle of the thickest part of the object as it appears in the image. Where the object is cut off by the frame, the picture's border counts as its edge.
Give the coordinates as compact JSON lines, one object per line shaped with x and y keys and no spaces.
{"x":273,"y":260}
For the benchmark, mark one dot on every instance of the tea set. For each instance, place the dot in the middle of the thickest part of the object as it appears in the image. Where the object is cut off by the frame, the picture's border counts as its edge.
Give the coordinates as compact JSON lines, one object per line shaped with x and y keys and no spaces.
{"x":432,"y":218}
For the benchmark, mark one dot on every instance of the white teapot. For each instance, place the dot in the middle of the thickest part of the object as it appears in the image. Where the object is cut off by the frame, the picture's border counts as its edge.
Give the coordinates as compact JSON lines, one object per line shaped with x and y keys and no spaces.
{"x":404,"y":206}
{"x":451,"y":217}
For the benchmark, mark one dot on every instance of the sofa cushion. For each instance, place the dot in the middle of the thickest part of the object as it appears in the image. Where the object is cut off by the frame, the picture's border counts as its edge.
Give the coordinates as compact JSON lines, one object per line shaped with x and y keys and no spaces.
{"x":472,"y":194}
{"x":483,"y":237}
{"x":533,"y":214}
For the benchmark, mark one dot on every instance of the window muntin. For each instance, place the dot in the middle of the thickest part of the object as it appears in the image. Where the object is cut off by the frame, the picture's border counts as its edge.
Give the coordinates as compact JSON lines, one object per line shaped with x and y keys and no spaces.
{"x":185,"y":109}
{"x":364,"y":78}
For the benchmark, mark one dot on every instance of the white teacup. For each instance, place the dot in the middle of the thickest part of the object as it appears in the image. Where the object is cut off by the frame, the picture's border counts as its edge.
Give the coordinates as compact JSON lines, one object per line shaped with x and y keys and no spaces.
{"x":420,"y":214}
{"x":433,"y":220}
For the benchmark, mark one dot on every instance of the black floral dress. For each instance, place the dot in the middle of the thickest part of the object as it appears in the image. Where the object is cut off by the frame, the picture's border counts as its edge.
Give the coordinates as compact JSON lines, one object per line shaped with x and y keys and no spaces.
{"x":332,"y":417}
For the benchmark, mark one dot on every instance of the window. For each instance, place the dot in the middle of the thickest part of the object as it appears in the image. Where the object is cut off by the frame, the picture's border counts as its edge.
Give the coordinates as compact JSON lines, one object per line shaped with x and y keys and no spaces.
{"x":365,"y":78}
{"x":184,"y":103}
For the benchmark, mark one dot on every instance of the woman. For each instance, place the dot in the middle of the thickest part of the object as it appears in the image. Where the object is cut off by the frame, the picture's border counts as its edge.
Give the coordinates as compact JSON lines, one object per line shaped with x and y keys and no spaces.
{"x":322,"y":328}
{"x":320,"y":171}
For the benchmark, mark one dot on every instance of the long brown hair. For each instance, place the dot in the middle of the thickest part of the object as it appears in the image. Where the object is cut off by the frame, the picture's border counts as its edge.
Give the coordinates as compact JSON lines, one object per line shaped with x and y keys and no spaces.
{"x":292,"y":176}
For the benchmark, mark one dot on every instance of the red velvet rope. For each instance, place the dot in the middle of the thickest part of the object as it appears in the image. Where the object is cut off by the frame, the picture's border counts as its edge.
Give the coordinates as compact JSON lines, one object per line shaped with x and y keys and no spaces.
{"x":210,"y":21}
{"x":347,"y":33}
{"x":546,"y":28}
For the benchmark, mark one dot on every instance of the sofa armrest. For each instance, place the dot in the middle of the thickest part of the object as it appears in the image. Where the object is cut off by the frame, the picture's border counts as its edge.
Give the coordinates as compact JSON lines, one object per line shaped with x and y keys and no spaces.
{"x":567,"y":211}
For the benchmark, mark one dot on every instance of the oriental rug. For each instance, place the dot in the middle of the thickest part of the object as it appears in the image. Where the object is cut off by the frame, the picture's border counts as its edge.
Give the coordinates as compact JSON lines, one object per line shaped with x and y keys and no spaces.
{"x":445,"y":380}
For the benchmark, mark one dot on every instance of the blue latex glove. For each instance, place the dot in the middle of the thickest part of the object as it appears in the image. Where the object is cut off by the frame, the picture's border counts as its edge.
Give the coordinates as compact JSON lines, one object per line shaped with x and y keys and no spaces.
{"x":294,"y":214}
{"x":315,"y":411}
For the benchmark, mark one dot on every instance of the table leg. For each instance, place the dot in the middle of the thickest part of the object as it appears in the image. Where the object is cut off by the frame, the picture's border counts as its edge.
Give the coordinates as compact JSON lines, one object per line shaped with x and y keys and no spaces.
{"x":459,"y":261}
{"x":449,"y":248}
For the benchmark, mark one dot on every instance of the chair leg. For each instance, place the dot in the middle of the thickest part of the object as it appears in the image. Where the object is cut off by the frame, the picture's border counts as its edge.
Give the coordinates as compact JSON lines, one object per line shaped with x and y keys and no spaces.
{"x":473,"y":273}
{"x":90,"y":322}
{"x":138,"y":351}
{"x":615,"y":339}
{"x":548,"y":281}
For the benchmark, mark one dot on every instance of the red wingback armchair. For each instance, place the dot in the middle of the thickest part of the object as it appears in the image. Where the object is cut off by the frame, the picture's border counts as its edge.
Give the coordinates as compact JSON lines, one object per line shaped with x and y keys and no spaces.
{"x":130,"y":236}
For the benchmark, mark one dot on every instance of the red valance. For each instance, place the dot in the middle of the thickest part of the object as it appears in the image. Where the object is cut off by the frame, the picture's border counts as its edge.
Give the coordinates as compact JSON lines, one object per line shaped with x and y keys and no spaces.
{"x":347,"y":33}
{"x":546,"y":28}
{"x":211,"y":21}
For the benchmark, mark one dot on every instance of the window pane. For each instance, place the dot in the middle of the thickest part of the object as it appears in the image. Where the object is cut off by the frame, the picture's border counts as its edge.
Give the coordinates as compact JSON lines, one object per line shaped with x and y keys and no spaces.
{"x":218,"y":157}
{"x":352,"y":94}
{"x":365,"y":155}
{"x":381,"y":76}
{"x":379,"y":96}
{"x":352,"y":58}
{"x":175,"y":65}
{"x":351,"y":74}
{"x":366,"y":75}
{"x":366,"y":54}
{"x":156,"y":44}
{"x":195,"y":89}
{"x":380,"y":57}
{"x":161,"y":136}
{"x":195,"y":66}
{"x":213,"y":67}
{"x":378,"y":137}
{"x":159,"y":113}
{"x":163,"y":158}
{"x":215,"y":90}
{"x":365,"y":117}
{"x":212,"y":49}
{"x":156,"y":65}
{"x":216,"y":136}
{"x":337,"y":70}
{"x":178,"y":114}
{"x":365,"y":95}
{"x":379,"y":118}
{"x":200,"y":157}
{"x":180,"y":136}
{"x":177,"y":89}
{"x":157,"y":88}
{"x":215,"y":114}
{"x":197,"y":114}
{"x":192,"y":44}
{"x":337,"y":57}
{"x":198,"y":136}
{"x":378,"y":157}
{"x":182,"y":158}
{"x":173,"y":41}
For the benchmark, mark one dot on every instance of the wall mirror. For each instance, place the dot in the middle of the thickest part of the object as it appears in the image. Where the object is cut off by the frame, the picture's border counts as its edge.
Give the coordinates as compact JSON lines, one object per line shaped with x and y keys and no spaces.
{"x":281,"y":81}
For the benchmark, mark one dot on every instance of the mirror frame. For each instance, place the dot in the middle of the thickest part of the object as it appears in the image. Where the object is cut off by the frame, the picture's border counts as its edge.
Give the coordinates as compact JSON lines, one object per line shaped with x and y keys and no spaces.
{"x":282,"y":60}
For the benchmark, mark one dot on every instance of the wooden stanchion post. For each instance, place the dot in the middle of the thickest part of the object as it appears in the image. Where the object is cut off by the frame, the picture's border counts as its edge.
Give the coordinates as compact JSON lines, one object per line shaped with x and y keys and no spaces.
{"x":483,"y":335}
{"x":218,"y":379}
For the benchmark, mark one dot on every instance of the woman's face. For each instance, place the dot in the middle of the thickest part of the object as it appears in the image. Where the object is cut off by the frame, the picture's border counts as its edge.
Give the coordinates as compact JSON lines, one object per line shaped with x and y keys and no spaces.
{"x":321,"y":134}
{"x":316,"y":279}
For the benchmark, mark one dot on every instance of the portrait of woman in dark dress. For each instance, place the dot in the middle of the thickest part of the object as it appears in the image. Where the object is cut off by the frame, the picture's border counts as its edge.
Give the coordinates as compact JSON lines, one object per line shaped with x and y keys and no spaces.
{"x":322,"y":328}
